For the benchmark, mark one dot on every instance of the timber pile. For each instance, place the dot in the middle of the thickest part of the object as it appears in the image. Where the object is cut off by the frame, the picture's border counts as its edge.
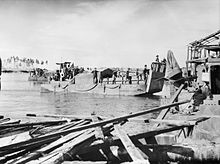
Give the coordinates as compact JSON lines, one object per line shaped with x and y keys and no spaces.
{"x":93,"y":140}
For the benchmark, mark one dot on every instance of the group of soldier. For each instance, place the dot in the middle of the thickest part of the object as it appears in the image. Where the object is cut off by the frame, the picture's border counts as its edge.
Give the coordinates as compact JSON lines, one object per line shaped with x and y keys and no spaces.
{"x":66,"y":72}
{"x":126,"y":76}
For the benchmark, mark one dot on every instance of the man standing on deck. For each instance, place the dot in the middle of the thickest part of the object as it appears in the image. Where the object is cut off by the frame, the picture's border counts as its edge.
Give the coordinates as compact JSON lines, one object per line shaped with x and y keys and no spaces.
{"x":145,"y":73}
{"x":157,"y":58}
{"x":137,"y":75}
{"x":128,"y":76}
{"x":95,"y":76}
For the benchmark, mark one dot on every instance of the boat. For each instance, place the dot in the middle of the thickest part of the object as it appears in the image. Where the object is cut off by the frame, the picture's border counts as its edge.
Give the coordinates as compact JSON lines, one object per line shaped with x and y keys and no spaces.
{"x":108,"y":85}
{"x":39,"y":75}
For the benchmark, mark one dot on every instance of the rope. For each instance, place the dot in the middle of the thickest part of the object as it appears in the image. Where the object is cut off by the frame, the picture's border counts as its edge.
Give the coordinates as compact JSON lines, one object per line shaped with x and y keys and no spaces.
{"x":72,"y":81}
{"x":112,"y":87}
{"x":88,"y":89}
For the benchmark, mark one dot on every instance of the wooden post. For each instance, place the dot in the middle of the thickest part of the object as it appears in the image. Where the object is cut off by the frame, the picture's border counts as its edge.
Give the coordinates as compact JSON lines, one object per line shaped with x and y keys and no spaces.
{"x":129,"y":146}
{"x":99,"y":134}
{"x":98,"y":130}
{"x":163,"y":113}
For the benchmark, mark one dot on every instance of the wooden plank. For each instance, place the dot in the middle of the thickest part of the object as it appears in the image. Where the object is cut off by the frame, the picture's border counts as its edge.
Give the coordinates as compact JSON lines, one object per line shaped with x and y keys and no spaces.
{"x":4,"y":120}
{"x":15,"y":138}
{"x":53,"y":145}
{"x":27,"y":146}
{"x":10,"y":123}
{"x":68,"y":147}
{"x":174,"y":122}
{"x":60,"y":141}
{"x":163,"y":113}
{"x":129,"y":146}
{"x":99,"y":134}
{"x":12,"y":131}
{"x":58,"y":155}
{"x":92,"y":125}
{"x":72,"y":117}
{"x":47,"y":149}
{"x":134,"y":137}
{"x":50,"y":129}
{"x":186,"y":153}
{"x":31,"y":124}
{"x":98,"y":130}
{"x":85,"y":162}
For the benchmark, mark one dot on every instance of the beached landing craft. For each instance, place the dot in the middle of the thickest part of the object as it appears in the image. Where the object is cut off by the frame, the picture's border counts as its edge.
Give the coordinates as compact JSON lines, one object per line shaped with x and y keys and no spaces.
{"x":83,"y":83}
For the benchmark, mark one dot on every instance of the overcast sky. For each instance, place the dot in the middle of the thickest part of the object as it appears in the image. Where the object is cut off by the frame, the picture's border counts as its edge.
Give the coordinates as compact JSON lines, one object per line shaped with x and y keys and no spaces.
{"x":123,"y":33}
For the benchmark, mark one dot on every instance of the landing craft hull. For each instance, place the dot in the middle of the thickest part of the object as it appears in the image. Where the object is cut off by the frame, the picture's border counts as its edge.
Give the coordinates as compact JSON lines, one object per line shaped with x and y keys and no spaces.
{"x":35,"y":78}
{"x":153,"y":85}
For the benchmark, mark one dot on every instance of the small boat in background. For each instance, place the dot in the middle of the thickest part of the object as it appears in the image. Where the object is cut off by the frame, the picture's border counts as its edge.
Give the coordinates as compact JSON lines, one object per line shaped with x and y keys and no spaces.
{"x":40,"y":75}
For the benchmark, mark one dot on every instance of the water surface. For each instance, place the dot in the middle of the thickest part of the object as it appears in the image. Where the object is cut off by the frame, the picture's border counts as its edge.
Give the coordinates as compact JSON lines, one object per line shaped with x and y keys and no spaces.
{"x":19,"y":97}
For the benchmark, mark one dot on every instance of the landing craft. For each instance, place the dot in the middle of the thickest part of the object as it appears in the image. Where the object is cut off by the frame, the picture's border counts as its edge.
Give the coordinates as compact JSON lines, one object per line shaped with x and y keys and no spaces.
{"x":108,"y":85}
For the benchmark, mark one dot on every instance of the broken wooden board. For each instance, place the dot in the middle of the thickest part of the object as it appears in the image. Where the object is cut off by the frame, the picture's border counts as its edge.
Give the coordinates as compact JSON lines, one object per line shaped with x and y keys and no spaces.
{"x":129,"y":146}
{"x":14,"y":138}
{"x":98,"y":130}
{"x":174,"y":122}
{"x":68,"y":147}
{"x":85,"y":162}
{"x":115,"y":141}
{"x":163,"y":113}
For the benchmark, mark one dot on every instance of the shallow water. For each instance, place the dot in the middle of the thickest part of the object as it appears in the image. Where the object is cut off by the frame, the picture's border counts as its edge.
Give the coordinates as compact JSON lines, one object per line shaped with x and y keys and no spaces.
{"x":19,"y":97}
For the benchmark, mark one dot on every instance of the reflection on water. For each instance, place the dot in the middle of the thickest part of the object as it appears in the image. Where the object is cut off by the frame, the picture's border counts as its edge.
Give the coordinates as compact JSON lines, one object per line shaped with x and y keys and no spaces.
{"x":19,"y":97}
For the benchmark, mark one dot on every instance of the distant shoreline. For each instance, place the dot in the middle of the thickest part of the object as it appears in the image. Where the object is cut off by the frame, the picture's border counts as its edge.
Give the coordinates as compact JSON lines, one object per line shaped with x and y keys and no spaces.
{"x":15,"y":71}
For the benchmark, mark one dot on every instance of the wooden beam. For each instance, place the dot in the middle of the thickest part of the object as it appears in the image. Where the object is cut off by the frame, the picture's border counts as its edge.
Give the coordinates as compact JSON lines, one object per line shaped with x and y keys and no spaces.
{"x":70,"y":146}
{"x":47,"y":149}
{"x":129,"y":146}
{"x":4,"y":120}
{"x":99,"y":134}
{"x":98,"y":130}
{"x":174,"y":122}
{"x":72,"y":117}
{"x":163,"y":113}
{"x":134,"y":137}
{"x":32,"y":124}
{"x":85,"y":162}
{"x":92,"y":125}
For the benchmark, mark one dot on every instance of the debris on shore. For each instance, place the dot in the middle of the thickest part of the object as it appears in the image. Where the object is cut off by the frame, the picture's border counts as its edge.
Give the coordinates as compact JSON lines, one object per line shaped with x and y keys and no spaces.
{"x":61,"y":139}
